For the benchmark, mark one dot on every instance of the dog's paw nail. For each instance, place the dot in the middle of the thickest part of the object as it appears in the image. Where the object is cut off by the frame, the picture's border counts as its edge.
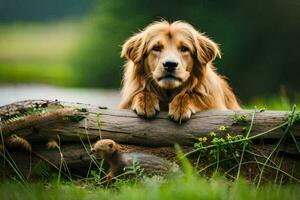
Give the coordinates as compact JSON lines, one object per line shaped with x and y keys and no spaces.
{"x":173,"y":118}
{"x":180,"y":117}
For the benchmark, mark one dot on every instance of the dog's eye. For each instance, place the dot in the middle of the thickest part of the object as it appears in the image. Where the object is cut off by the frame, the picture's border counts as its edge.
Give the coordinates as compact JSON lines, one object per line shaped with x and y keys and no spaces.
{"x":184,"y":49}
{"x":156,"y":48}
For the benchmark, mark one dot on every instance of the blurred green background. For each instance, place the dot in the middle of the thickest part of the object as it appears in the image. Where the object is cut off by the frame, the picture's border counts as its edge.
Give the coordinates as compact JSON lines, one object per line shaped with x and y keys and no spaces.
{"x":77,"y":43}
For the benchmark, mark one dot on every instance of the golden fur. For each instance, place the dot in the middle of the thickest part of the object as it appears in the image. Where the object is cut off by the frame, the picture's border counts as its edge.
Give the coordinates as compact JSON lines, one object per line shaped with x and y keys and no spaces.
{"x":105,"y":148}
{"x":109,"y":150}
{"x":193,"y":86}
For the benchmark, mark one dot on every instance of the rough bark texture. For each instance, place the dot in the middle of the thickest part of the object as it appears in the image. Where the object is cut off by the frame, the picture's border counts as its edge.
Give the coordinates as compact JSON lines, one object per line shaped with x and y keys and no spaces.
{"x":37,"y":121}
{"x":125,"y":127}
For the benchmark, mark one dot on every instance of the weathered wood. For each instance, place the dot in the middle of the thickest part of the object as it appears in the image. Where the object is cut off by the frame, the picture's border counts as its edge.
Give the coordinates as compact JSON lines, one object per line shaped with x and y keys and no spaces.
{"x":76,"y":156}
{"x":125,"y":127}
{"x":75,"y":123}
{"x":77,"y":159}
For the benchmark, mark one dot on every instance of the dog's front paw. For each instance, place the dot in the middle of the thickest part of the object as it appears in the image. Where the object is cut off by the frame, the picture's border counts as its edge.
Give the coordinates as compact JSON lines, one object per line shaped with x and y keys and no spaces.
{"x":180,"y":108}
{"x":145,"y":104}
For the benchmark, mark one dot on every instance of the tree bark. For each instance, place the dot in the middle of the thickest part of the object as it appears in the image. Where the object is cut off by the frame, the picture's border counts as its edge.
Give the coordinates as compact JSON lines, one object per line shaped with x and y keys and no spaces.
{"x":125,"y":127}
{"x":75,"y":124}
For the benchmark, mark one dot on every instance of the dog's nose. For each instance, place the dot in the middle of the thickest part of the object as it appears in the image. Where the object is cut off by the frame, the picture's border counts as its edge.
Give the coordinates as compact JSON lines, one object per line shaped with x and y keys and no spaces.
{"x":170,"y":66}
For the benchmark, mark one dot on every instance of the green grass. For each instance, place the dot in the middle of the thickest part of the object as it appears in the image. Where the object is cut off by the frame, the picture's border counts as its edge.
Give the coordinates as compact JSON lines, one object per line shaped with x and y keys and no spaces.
{"x":38,"y":53}
{"x":280,"y":102}
{"x":27,"y":43}
{"x":55,"y":74}
{"x":179,"y":188}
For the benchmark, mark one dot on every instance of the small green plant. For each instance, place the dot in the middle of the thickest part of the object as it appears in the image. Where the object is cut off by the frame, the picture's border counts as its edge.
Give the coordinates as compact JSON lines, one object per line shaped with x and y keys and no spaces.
{"x":134,"y":169}
{"x":215,"y":148}
{"x":237,"y":148}
{"x":96,"y":177}
{"x":41,"y":170}
{"x":76,"y":118}
{"x":287,"y":128}
{"x":99,"y":124}
{"x":8,"y":159}
{"x":239,"y":119}
{"x":83,"y":110}
{"x":24,"y":113}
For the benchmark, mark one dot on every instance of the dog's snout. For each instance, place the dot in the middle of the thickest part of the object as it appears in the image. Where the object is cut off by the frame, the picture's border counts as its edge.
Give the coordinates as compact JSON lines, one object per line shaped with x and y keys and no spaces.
{"x":170,"y":65}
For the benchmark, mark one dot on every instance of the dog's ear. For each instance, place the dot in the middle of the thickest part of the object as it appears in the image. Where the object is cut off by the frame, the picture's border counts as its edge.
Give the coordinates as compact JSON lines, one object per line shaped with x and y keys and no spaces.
{"x":134,"y":48}
{"x":207,"y":50}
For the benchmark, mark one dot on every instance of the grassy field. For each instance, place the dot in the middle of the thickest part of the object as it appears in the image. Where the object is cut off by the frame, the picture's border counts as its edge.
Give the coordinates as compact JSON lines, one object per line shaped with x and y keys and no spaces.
{"x":280,"y":102}
{"x":180,"y":188}
{"x":38,"y":53}
{"x":23,"y":43}
{"x":42,"y":73}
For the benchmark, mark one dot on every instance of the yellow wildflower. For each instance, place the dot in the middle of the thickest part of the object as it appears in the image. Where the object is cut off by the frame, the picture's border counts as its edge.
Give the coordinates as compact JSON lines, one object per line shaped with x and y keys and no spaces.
{"x":237,"y":154}
{"x":228,"y":136}
{"x":212,"y":134}
{"x":222,"y":128}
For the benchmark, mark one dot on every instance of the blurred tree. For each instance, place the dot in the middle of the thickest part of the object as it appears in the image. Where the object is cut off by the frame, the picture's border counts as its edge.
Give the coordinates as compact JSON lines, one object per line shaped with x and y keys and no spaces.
{"x":259,"y":39}
{"x":45,"y":10}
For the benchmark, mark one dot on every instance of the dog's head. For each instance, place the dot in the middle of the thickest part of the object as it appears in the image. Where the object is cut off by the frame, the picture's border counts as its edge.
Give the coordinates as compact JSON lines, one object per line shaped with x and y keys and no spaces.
{"x":170,"y":52}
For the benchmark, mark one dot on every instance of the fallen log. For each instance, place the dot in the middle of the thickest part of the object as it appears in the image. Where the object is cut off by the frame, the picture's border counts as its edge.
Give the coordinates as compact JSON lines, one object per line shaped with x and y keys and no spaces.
{"x":125,"y":127}
{"x":75,"y":124}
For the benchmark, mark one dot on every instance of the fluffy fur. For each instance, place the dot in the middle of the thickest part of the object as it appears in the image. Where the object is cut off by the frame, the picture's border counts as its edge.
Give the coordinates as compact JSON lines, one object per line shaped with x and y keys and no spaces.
{"x":193,"y":86}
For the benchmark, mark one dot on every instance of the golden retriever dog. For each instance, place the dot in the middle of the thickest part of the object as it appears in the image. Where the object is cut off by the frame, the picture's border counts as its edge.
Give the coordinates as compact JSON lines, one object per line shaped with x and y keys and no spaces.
{"x":170,"y":66}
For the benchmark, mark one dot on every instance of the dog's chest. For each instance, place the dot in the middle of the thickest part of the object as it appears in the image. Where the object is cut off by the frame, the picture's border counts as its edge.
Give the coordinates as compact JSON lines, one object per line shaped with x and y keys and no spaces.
{"x":165,"y":98}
